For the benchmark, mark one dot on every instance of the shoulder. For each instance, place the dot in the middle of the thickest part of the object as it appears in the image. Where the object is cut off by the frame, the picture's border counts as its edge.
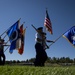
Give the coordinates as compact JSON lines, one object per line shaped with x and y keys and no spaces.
{"x":37,"y":34}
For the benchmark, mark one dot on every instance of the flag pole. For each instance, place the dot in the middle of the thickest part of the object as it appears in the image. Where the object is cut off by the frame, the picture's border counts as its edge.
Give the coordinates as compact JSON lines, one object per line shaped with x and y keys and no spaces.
{"x":6,"y":45}
{"x":4,"y":36}
{"x":56,"y":40}
{"x":6,"y":49}
{"x":3,"y":32}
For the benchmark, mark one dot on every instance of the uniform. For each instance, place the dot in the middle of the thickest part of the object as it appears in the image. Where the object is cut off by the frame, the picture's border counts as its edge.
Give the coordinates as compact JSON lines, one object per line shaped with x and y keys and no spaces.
{"x":41,"y":55}
{"x":2,"y":55}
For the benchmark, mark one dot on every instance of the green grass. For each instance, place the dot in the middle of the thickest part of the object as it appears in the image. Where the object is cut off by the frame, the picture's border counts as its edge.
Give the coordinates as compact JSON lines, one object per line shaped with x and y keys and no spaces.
{"x":31,"y":70}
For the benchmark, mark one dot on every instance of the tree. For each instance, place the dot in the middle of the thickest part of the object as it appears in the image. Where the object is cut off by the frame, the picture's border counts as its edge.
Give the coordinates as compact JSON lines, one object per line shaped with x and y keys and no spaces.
{"x":67,"y":59}
{"x":14,"y":61}
{"x":62,"y":60}
{"x":17,"y":61}
{"x":32,"y":60}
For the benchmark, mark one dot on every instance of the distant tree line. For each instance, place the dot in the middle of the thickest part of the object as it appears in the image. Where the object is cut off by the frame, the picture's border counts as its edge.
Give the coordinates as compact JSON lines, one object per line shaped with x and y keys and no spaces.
{"x":49,"y":60}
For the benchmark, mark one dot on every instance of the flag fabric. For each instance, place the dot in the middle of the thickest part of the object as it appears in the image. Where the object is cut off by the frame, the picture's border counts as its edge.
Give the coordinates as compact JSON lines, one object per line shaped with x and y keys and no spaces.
{"x":18,"y":43}
{"x":70,"y":35}
{"x":47,"y":23}
{"x":13,"y":34}
{"x":20,"y":50}
{"x":22,"y":32}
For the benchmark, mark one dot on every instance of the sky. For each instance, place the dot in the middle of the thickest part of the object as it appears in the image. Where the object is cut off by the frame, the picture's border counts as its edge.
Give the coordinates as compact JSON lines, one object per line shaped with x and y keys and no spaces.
{"x":61,"y":13}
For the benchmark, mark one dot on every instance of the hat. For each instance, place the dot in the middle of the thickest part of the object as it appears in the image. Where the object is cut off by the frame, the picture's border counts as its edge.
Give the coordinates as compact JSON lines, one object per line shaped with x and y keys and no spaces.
{"x":40,"y":28}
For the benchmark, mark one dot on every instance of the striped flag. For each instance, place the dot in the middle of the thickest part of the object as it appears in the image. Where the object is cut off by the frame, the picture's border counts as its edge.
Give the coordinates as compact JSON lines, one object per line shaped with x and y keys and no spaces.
{"x":47,"y":23}
{"x":22,"y":32}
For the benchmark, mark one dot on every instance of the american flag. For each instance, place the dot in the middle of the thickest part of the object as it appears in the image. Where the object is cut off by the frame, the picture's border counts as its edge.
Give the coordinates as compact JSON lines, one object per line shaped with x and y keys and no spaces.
{"x":47,"y":23}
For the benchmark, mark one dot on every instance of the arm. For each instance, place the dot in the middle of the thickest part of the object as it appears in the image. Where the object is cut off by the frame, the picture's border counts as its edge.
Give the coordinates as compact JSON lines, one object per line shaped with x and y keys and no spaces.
{"x":49,"y":41}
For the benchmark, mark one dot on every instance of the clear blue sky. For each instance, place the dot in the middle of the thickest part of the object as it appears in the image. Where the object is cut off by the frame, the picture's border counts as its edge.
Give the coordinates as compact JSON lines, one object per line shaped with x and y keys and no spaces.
{"x":61,"y":13}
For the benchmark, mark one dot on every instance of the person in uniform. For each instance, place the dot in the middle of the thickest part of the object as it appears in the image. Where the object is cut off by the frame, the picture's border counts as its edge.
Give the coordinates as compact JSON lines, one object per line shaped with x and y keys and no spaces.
{"x":40,"y":47}
{"x":2,"y":55}
{"x":41,"y":55}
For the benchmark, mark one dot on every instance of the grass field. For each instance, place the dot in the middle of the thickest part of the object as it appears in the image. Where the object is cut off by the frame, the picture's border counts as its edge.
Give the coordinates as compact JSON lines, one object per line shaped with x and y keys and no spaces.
{"x":31,"y":70}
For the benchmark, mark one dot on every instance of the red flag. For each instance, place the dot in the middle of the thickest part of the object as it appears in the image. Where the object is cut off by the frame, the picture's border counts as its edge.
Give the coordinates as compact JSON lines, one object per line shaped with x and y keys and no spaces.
{"x":47,"y":23}
{"x":21,"y":28}
{"x":22,"y":32}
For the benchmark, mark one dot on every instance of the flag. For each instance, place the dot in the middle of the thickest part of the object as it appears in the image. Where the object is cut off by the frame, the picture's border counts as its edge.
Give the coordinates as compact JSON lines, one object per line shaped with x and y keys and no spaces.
{"x":13,"y":34}
{"x":22,"y":32}
{"x":70,"y":35}
{"x":20,"y":50}
{"x":18,"y":44}
{"x":47,"y":23}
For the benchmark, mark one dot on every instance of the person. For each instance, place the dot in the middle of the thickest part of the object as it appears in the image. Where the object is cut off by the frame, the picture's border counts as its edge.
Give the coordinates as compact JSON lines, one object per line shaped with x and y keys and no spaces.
{"x":45,"y":46}
{"x":41,"y":55}
{"x":40,"y":47}
{"x":2,"y":55}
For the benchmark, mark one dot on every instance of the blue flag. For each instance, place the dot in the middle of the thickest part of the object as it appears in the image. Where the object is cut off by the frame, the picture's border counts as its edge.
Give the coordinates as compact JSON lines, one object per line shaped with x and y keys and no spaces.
{"x":13,"y":34}
{"x":70,"y":35}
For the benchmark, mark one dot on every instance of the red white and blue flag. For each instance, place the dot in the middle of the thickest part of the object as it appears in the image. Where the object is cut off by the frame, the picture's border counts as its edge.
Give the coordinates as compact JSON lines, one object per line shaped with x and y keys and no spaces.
{"x":22,"y":32}
{"x":47,"y":23}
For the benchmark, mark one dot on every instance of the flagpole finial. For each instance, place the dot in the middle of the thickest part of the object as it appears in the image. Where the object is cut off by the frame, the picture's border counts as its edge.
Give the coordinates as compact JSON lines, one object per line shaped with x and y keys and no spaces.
{"x":20,"y":19}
